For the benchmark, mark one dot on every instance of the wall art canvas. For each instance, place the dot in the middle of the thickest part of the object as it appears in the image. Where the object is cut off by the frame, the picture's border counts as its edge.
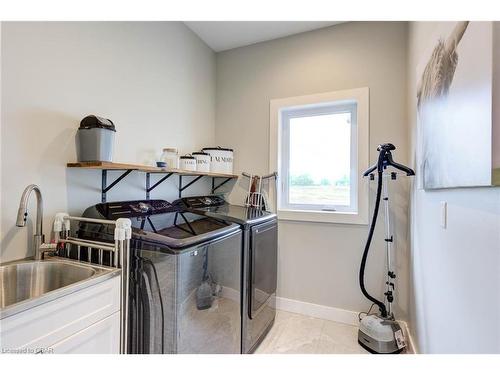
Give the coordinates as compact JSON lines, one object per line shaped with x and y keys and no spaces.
{"x":455,"y":93}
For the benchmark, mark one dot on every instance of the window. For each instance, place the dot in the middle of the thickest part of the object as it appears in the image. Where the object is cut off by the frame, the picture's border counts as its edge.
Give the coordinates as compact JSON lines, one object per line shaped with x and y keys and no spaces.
{"x":318,"y":151}
{"x":319,"y":147}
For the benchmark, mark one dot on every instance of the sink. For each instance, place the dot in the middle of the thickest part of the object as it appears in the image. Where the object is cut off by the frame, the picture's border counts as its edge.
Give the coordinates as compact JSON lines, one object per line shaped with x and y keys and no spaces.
{"x":23,"y":281}
{"x":28,"y":283}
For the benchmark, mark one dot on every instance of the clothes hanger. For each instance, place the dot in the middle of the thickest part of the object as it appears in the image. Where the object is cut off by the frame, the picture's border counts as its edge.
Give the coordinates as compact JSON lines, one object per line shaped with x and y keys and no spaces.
{"x":385,"y":160}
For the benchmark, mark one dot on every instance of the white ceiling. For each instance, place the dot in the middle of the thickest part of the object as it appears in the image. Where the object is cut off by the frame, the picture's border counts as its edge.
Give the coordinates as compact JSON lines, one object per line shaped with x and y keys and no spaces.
{"x":224,"y":35}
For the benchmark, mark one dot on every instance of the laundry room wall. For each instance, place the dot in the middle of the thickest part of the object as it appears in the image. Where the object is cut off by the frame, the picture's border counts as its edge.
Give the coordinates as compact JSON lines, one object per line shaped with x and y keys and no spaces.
{"x":155,"y":80}
{"x":319,"y":262}
{"x":455,"y":283}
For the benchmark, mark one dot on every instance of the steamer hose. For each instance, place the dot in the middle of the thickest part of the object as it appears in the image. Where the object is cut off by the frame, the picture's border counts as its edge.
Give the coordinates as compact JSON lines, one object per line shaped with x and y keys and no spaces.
{"x":380,"y":304}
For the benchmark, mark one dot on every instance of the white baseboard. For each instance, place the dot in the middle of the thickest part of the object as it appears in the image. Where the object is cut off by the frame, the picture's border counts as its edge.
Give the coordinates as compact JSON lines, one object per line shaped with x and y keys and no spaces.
{"x":410,"y":345}
{"x":317,"y":311}
{"x":334,"y":314}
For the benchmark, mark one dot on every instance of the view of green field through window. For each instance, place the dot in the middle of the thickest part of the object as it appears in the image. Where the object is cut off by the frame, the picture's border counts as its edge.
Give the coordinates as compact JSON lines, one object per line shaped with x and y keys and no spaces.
{"x":320,"y":148}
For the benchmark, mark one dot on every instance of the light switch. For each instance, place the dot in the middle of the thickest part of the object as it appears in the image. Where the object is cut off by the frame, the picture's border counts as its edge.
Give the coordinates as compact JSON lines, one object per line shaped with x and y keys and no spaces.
{"x":444,"y":214}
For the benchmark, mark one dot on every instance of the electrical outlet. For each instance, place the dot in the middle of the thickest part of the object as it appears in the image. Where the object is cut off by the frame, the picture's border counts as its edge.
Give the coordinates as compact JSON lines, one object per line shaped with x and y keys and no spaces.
{"x":444,"y":214}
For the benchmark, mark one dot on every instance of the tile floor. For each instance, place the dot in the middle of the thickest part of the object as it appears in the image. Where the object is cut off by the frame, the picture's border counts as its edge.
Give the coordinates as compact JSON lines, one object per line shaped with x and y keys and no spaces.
{"x":300,"y":334}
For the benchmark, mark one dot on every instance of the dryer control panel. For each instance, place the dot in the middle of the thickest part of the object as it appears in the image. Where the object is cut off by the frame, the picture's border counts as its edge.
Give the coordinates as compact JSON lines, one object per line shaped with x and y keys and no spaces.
{"x":202,"y":201}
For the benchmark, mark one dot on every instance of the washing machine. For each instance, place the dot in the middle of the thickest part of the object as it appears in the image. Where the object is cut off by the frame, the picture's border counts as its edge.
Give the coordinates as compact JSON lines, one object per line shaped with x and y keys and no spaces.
{"x":260,"y":258}
{"x":185,"y":277}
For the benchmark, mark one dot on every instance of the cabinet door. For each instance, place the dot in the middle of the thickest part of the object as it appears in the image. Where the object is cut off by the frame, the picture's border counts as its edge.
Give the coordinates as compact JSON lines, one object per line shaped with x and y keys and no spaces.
{"x":102,"y":337}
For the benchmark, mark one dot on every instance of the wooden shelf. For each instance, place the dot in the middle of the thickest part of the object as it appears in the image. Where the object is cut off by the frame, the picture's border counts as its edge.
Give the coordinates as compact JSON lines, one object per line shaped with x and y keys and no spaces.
{"x":110,"y":166}
{"x":104,"y":165}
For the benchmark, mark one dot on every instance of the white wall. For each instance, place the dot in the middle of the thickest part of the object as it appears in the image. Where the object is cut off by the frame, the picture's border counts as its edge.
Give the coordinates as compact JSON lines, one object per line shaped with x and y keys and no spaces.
{"x":455,"y":293}
{"x":319,"y":263}
{"x":155,"y":80}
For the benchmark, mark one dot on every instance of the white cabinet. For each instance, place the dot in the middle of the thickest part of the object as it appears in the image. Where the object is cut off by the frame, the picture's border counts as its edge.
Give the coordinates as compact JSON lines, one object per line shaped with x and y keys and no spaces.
{"x":87,"y":321}
{"x":101,"y":337}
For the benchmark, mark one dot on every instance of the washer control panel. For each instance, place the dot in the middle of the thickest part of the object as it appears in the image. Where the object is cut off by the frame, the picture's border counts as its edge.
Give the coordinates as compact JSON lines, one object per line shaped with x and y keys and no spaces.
{"x":130,"y":209}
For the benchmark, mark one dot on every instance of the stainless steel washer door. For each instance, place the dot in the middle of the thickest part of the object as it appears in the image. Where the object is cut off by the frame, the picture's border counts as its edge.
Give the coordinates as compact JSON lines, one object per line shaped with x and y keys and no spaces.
{"x":208,"y":298}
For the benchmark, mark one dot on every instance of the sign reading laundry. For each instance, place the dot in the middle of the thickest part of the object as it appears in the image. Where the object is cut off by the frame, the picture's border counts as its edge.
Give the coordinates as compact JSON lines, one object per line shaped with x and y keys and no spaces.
{"x":222,"y":159}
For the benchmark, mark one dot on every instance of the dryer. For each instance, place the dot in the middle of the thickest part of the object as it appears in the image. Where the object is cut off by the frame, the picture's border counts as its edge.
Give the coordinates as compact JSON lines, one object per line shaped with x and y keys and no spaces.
{"x":260,"y":258}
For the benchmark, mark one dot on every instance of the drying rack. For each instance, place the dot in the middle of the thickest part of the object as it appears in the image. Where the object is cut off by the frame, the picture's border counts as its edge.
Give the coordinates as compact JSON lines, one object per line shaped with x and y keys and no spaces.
{"x":255,"y":199}
{"x":119,"y":254}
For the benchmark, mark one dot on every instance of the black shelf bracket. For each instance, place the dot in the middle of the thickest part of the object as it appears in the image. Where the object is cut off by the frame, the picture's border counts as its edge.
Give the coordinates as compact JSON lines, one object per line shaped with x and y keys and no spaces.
{"x":182,"y":188}
{"x":105,"y":188}
{"x":149,"y":188}
{"x":127,"y":169}
{"x":215,"y":187}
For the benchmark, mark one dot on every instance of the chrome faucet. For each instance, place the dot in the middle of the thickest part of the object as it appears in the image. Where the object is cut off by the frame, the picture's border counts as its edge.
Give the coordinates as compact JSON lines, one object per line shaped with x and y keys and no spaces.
{"x":22,"y":215}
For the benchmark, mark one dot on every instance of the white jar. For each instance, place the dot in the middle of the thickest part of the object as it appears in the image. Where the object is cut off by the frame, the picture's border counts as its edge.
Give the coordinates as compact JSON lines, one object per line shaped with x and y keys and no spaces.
{"x":202,"y":161}
{"x":170,"y":157}
{"x":187,"y":163}
{"x":221,"y":159}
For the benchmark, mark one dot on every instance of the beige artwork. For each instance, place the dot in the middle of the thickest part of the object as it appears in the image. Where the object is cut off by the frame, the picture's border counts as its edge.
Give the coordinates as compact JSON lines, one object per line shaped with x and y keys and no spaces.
{"x":454,"y":99}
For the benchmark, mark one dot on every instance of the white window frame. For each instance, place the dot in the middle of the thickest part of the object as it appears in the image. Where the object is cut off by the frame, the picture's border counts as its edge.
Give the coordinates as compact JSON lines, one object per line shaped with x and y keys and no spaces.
{"x":280,"y":112}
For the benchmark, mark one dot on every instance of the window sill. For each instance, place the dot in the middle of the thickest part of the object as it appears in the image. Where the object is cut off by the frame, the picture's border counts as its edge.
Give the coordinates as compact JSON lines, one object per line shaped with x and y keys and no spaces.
{"x":324,"y":217}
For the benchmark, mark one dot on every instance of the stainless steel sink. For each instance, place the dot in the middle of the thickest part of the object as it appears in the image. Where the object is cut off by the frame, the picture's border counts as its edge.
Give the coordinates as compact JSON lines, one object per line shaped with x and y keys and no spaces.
{"x":26,"y":284}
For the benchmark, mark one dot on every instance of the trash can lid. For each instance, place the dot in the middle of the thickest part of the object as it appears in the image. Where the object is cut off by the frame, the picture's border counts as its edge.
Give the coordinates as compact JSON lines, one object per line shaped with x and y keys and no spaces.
{"x":93,"y":121}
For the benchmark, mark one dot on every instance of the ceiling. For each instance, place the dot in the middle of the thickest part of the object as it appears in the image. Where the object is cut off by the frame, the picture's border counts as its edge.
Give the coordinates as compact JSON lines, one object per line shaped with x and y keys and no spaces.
{"x":224,"y":35}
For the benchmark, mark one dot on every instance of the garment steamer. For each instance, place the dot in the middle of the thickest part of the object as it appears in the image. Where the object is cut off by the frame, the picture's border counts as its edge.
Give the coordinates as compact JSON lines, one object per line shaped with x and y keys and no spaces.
{"x":380,"y":333}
